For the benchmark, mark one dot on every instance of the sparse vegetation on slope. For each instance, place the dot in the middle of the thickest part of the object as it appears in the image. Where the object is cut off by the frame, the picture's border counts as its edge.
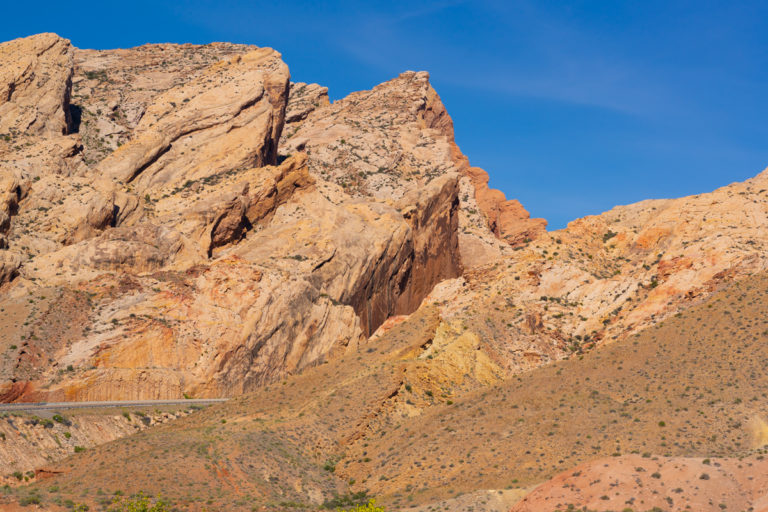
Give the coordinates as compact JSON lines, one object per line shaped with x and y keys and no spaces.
{"x":684,"y":388}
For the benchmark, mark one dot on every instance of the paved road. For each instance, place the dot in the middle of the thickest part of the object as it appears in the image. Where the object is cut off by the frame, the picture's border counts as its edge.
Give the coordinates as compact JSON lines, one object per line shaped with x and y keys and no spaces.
{"x":60,"y":406}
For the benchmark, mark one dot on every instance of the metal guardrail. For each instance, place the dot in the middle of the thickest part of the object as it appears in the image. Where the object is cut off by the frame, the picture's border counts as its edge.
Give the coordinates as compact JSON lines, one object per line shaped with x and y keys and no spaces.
{"x":47,"y":406}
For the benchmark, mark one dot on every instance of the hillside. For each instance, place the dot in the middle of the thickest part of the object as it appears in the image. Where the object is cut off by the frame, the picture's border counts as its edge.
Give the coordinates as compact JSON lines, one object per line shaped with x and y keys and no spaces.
{"x":382,"y":419}
{"x":184,"y":221}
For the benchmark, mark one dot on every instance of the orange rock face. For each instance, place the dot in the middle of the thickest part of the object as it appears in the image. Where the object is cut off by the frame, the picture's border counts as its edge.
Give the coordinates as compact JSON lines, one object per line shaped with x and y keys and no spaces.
{"x":507,"y":219}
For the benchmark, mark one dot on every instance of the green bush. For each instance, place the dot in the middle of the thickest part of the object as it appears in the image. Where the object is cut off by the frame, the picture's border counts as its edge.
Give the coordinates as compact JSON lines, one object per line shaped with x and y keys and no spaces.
{"x":29,"y":500}
{"x":58,"y":418}
{"x":355,"y":499}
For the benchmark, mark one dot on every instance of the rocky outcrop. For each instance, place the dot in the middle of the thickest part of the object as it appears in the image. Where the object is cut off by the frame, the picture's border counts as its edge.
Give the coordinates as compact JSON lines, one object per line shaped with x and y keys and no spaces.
{"x":112,"y":89}
{"x":189,"y":260}
{"x":28,"y":443}
{"x":9,"y":267}
{"x":35,"y":82}
{"x":304,"y":98}
{"x":386,"y":142}
{"x":507,"y":219}
{"x":609,"y":276}
{"x":228,"y":117}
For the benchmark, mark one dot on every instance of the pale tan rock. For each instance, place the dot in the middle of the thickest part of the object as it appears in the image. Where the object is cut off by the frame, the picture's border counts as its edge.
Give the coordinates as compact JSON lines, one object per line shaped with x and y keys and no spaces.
{"x":35,"y":82}
{"x":217,"y":212}
{"x":113,"y":88}
{"x":394,"y":138}
{"x":227,"y":117}
{"x":9,"y":266}
{"x":303,"y":99}
{"x":609,"y":276}
{"x":228,"y":279}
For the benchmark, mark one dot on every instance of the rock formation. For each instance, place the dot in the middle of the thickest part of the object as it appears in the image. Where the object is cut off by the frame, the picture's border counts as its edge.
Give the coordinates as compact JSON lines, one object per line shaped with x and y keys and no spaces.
{"x":206,"y":267}
{"x":35,"y":83}
{"x":180,"y":220}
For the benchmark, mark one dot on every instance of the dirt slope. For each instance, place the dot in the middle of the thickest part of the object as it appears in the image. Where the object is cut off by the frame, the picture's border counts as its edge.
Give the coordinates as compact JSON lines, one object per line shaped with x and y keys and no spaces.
{"x":414,"y":429}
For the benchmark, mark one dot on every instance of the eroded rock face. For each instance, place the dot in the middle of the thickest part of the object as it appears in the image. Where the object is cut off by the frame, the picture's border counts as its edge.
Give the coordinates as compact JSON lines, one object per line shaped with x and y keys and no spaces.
{"x":229,"y":116}
{"x":35,"y":83}
{"x":368,"y":205}
{"x":507,"y":219}
{"x":386,"y":142}
{"x":112,"y":89}
{"x":189,"y":260}
{"x":609,"y":276}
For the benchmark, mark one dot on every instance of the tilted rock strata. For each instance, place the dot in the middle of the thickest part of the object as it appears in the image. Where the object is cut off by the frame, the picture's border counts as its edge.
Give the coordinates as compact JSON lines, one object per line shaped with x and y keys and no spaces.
{"x":35,"y":82}
{"x":605,"y":277}
{"x":392,"y":139}
{"x":111,"y":89}
{"x":186,"y":264}
{"x":227,"y":117}
{"x":30,"y":443}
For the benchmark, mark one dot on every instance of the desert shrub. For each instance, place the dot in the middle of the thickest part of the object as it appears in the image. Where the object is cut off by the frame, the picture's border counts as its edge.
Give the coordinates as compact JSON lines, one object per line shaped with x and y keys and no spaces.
{"x":138,"y":503}
{"x":29,"y":500}
{"x":355,"y":499}
{"x":368,"y":507}
{"x":58,"y":418}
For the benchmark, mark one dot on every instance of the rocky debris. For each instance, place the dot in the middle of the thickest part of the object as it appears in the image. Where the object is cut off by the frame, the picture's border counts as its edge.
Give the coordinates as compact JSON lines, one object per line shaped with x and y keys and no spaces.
{"x":658,"y":483}
{"x":35,"y":82}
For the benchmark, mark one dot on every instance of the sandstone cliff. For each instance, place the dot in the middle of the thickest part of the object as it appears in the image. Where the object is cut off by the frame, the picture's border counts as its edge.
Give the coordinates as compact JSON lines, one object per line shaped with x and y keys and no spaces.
{"x":181,"y":256}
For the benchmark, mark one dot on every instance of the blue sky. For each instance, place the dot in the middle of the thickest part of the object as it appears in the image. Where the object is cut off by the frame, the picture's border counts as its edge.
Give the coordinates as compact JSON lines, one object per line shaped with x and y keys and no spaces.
{"x":572,"y":107}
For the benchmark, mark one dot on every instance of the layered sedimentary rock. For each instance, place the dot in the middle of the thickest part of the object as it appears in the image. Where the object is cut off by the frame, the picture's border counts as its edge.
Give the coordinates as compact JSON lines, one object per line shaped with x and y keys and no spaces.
{"x":385,"y":142}
{"x":165,"y":196}
{"x":608,"y":276}
{"x":35,"y":83}
{"x":190,"y":261}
